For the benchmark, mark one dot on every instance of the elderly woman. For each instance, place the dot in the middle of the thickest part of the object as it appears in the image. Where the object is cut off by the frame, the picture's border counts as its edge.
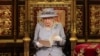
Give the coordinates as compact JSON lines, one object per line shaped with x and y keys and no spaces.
{"x":47,"y":28}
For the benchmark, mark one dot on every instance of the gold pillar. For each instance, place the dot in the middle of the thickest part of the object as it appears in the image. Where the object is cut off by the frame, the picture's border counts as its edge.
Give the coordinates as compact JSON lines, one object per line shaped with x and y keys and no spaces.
{"x":26,"y":40}
{"x":73,"y":38}
{"x":15,"y":17}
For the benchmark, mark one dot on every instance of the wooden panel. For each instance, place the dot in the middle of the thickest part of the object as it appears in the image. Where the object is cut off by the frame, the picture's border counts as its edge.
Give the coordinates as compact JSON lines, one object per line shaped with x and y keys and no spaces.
{"x":6,"y":20}
{"x":80,"y":21}
{"x":94,"y":21}
{"x":90,"y":21}
{"x":21,"y":21}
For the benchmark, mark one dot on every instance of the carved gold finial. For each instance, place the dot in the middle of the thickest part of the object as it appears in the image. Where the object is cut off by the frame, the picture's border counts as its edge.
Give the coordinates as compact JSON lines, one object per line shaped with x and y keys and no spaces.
{"x":26,"y":38}
{"x":73,"y":39}
{"x":73,"y":36}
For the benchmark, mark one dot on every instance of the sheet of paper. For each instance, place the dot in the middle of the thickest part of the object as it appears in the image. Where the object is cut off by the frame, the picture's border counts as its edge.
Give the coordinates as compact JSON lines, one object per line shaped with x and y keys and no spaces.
{"x":50,"y":41}
{"x":45,"y":43}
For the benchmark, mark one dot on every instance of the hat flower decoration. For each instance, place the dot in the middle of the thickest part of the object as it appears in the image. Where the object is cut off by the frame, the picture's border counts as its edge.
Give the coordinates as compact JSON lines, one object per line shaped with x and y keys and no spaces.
{"x":48,"y":12}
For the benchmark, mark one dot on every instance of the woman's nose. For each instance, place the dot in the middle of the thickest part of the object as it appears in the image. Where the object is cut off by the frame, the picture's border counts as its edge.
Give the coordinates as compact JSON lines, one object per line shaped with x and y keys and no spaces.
{"x":47,"y":20}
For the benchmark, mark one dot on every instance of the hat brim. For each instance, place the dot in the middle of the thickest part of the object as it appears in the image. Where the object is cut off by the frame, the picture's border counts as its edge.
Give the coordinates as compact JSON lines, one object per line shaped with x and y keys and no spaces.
{"x":44,"y":16}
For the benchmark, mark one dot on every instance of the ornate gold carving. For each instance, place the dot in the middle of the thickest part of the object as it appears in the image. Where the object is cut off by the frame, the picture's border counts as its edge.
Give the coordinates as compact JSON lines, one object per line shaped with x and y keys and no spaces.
{"x":21,"y":19}
{"x":5,"y":20}
{"x":79,"y":19}
{"x":95,"y":19}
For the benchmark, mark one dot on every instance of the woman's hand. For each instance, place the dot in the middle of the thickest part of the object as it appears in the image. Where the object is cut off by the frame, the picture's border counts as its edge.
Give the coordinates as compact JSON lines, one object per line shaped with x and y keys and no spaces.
{"x":39,"y":44}
{"x":57,"y":38}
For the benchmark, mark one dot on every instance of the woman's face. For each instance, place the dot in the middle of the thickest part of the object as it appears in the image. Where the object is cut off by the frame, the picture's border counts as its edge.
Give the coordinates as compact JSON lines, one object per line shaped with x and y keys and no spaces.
{"x":48,"y":21}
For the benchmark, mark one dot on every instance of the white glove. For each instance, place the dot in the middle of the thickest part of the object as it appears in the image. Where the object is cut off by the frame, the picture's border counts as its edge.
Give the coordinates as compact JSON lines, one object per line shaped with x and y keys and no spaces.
{"x":39,"y":44}
{"x":57,"y":38}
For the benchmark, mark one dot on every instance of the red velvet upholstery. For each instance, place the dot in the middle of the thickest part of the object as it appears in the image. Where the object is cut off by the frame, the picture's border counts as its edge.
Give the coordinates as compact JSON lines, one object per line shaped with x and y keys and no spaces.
{"x":87,"y":49}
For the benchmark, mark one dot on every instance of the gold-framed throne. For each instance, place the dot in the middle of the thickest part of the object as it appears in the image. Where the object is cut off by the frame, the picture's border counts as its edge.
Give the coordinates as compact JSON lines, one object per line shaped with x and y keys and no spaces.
{"x":65,"y":9}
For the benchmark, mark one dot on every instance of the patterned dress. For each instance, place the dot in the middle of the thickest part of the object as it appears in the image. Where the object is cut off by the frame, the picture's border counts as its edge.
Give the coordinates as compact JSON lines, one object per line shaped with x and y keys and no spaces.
{"x":42,"y":33}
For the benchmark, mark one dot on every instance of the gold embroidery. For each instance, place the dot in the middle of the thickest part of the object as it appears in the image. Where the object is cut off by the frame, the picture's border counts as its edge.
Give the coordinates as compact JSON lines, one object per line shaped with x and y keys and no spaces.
{"x":98,"y":51}
{"x":81,"y":53}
